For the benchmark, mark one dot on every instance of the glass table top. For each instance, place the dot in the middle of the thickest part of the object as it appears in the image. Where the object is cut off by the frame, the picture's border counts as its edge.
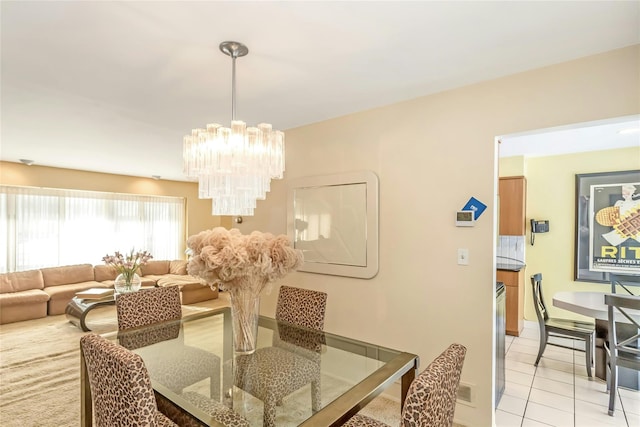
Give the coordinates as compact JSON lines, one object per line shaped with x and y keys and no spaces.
{"x":192,"y":361}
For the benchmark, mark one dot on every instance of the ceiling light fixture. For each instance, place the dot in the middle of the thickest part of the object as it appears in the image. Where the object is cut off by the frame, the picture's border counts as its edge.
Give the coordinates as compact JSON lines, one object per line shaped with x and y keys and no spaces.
{"x":234,"y":166}
{"x":27,"y":162}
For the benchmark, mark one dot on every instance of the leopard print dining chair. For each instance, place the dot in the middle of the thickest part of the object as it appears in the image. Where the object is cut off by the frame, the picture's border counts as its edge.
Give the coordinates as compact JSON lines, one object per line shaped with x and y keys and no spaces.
{"x":148,"y":306}
{"x":272,"y":373}
{"x":174,"y":364}
{"x":431,"y":399}
{"x":217,"y":411}
{"x":120,"y":386}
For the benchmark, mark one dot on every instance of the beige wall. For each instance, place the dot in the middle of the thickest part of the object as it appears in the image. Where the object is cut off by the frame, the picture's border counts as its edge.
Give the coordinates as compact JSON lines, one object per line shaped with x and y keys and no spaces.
{"x":512,"y":166}
{"x":553,"y":253}
{"x":431,"y":154}
{"x":198,"y":211}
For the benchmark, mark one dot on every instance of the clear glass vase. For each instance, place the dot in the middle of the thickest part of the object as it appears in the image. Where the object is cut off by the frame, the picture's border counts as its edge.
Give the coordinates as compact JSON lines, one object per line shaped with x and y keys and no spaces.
{"x":245,"y":310}
{"x":126,"y":283}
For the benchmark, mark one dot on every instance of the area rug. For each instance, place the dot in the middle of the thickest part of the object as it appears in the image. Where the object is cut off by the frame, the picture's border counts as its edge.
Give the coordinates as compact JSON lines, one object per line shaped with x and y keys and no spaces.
{"x":40,"y":375}
{"x":40,"y":368}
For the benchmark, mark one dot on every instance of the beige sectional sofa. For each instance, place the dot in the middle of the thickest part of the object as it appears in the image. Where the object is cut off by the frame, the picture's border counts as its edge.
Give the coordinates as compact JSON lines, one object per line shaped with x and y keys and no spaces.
{"x":22,"y":296}
{"x":62,"y":283}
{"x":37,"y":293}
{"x":171,"y":273}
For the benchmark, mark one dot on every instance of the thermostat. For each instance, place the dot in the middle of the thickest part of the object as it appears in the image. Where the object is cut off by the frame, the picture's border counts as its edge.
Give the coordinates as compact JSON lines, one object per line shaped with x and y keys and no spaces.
{"x":465,"y":219}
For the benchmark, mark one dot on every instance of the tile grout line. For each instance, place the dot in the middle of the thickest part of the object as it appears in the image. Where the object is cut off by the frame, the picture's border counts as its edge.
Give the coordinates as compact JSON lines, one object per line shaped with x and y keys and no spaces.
{"x":573,"y":354}
{"x":528,"y":396}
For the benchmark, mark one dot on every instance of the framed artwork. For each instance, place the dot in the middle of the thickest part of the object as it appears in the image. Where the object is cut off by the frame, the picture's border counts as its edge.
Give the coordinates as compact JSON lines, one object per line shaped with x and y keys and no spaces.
{"x":333,"y":220}
{"x":607,"y":225}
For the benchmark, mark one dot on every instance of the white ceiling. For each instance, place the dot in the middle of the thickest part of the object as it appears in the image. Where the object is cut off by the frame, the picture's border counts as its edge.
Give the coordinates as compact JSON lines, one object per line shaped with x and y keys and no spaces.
{"x":593,"y":136}
{"x":113,"y":86}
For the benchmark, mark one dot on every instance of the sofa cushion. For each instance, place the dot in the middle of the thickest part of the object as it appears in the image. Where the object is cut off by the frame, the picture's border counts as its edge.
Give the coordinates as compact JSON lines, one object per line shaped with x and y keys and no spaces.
{"x":104,"y":272}
{"x":5,"y":284}
{"x":32,"y":296}
{"x":178,"y":267}
{"x":193,"y":293}
{"x":21,"y":281}
{"x":155,"y":267}
{"x":68,"y":274}
{"x":178,"y":279}
{"x":61,"y":295}
{"x":19,"y":312}
{"x":69,"y":290}
{"x":144,"y":282}
{"x":192,"y":289}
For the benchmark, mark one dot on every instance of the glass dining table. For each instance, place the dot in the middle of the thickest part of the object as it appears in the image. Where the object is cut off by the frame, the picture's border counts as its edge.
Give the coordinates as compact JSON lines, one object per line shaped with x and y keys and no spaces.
{"x":352,"y":372}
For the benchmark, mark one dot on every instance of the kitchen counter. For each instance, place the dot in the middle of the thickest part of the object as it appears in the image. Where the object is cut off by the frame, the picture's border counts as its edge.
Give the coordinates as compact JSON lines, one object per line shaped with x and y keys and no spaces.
{"x":509,"y":266}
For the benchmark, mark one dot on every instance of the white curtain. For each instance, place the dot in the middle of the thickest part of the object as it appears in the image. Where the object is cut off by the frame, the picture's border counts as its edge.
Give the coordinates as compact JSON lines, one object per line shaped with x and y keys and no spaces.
{"x":49,"y":227}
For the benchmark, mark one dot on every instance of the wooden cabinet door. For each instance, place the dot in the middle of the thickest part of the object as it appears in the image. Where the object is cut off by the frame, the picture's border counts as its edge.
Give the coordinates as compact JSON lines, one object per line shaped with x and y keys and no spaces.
{"x":514,"y":306}
{"x":513,"y":194}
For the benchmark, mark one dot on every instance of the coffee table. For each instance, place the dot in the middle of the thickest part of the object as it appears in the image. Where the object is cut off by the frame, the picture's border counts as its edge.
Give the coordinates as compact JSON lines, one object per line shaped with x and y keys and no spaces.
{"x":78,"y":308}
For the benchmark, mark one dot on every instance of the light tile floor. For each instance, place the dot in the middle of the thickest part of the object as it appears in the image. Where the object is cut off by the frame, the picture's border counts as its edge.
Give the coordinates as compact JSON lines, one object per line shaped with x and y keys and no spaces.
{"x":557,"y":392}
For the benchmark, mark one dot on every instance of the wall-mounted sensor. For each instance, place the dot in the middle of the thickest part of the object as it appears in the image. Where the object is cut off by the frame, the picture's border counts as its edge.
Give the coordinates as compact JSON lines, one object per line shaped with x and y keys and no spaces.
{"x":465,"y":219}
{"x":538,"y":226}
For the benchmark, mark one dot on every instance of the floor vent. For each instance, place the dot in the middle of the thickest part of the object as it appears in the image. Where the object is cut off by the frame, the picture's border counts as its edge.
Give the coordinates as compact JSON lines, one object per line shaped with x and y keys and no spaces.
{"x":466,"y":394}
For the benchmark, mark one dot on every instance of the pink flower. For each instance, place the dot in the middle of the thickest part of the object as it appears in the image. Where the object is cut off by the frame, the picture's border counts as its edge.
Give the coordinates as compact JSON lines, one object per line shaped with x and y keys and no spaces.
{"x":129,"y":264}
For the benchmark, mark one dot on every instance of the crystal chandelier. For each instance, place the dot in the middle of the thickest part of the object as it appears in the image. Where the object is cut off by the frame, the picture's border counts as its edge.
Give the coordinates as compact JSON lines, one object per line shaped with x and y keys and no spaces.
{"x":234,"y":166}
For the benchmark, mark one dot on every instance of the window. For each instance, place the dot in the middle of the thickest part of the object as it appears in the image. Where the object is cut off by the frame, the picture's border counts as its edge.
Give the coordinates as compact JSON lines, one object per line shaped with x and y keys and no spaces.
{"x":48,"y":227}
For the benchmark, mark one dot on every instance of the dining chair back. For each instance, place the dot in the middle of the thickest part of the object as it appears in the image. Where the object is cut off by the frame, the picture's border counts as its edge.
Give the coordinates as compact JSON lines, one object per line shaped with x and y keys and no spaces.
{"x":293,"y":360}
{"x":558,"y":328}
{"x":623,"y":281}
{"x":148,"y":306}
{"x":621,"y":351}
{"x":431,"y":398}
{"x":301,"y":307}
{"x":120,"y":386}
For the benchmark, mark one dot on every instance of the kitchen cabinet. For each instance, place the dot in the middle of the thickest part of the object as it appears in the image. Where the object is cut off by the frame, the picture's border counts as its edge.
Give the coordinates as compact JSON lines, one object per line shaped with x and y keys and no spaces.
{"x":512,"y":191}
{"x":514,"y":285}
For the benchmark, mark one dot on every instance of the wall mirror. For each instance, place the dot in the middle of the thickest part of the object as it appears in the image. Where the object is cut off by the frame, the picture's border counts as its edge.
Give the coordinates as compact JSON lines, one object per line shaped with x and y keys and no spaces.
{"x":333,"y":219}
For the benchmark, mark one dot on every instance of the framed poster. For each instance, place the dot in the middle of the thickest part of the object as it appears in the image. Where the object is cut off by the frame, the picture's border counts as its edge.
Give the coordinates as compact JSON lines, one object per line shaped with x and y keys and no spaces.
{"x":607,"y":225}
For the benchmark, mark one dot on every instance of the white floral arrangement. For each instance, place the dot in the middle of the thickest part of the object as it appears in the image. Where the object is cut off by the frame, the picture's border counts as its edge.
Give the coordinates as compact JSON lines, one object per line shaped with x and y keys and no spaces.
{"x":244,"y":265}
{"x":230,"y":259}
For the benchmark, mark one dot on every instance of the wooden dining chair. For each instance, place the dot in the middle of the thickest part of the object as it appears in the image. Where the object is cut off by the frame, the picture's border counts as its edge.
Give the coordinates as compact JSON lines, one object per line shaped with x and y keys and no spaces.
{"x":120,"y":386}
{"x":552,"y":327}
{"x":159,"y":310}
{"x":272,"y":373}
{"x":431,"y":398}
{"x":621,"y":351}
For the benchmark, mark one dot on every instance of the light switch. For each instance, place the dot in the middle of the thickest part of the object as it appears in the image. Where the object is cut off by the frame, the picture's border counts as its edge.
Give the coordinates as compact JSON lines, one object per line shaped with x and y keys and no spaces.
{"x":463,"y":256}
